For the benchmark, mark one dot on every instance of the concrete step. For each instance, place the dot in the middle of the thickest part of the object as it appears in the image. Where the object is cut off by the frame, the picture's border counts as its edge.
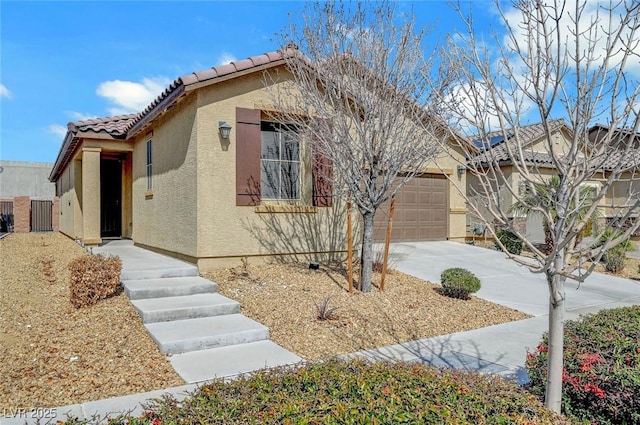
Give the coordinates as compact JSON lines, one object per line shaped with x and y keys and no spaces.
{"x":180,"y":336}
{"x":168,"y":287}
{"x":153,"y":272}
{"x":224,"y":362}
{"x":186,"y":307}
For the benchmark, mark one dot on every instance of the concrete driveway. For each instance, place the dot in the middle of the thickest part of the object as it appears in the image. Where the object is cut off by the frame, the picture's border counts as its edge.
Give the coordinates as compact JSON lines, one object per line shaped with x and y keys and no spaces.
{"x":501,"y":348}
{"x":507,"y":283}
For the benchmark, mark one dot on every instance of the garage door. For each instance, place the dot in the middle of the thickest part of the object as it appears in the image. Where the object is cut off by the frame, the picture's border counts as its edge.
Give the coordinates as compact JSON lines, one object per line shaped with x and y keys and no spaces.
{"x":420,"y":212}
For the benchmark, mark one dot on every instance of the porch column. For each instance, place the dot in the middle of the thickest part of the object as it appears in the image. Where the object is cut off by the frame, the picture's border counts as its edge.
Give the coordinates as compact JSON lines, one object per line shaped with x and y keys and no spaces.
{"x":91,"y":196}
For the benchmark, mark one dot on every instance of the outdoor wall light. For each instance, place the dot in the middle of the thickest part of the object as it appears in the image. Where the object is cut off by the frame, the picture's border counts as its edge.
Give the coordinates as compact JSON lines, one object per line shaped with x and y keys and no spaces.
{"x":461,"y":170}
{"x":225,"y":129}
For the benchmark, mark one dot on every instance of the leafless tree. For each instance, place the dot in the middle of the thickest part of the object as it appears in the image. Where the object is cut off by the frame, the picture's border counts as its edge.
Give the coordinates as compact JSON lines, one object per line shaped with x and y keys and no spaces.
{"x":359,"y":99}
{"x":575,"y":60}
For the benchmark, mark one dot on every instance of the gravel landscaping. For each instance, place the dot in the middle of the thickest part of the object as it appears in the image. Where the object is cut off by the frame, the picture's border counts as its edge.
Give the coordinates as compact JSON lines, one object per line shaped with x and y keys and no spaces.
{"x":285,"y":298}
{"x":52,"y":354}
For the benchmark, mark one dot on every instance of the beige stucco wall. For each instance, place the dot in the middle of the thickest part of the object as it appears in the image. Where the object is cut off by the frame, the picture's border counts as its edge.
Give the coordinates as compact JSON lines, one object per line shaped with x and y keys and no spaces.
{"x":622,"y":193}
{"x":166,"y":217}
{"x":560,"y":143}
{"x":447,"y":163}
{"x":66,"y":192}
{"x":227,"y":232}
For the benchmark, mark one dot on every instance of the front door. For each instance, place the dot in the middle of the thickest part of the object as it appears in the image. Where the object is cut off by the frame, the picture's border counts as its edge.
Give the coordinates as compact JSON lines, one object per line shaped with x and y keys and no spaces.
{"x":110,"y":198}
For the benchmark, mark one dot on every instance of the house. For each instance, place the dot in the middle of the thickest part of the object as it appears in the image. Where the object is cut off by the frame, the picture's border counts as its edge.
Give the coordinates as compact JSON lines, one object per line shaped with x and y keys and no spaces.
{"x":185,"y":177}
{"x":625,"y":191}
{"x":494,"y":147}
{"x":535,"y":152}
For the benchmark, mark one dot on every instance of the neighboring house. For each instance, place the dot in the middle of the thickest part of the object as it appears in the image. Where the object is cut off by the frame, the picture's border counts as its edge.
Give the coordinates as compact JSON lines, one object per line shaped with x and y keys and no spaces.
{"x":18,"y":178}
{"x":625,"y":192}
{"x":535,"y":153}
{"x":169,"y":179}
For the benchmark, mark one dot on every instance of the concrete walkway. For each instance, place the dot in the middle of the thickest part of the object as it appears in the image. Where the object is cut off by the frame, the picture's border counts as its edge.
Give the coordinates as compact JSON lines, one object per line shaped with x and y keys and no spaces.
{"x":501,"y":348}
{"x":495,"y":349}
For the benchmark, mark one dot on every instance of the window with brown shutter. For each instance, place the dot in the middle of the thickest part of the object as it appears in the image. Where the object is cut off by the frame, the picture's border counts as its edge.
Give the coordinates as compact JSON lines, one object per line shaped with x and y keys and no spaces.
{"x":322,"y":171}
{"x":250,"y":160}
{"x":247,"y":156}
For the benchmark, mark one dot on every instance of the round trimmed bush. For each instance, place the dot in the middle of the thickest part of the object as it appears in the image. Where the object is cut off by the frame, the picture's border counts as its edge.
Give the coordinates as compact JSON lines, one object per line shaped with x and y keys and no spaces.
{"x":459,"y":283}
{"x":601,"y":376}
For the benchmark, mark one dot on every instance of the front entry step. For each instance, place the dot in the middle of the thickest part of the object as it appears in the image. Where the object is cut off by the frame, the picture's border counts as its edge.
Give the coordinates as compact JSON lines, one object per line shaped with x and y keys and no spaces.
{"x":168,"y":287}
{"x":185,"y":307}
{"x":180,"y":336}
{"x":224,"y":362}
{"x":159,"y":272}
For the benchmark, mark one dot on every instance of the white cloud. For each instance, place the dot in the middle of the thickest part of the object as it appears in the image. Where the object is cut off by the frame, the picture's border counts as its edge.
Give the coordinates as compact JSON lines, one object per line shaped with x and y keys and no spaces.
{"x":128,"y":96}
{"x":80,"y":116}
{"x":594,"y":12}
{"x":225,"y":58}
{"x":476,"y":107}
{"x":58,"y":130}
{"x":5,"y":92}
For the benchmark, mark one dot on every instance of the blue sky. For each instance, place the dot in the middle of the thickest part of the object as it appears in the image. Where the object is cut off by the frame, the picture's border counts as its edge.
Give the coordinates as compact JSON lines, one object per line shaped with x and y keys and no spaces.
{"x":66,"y":61}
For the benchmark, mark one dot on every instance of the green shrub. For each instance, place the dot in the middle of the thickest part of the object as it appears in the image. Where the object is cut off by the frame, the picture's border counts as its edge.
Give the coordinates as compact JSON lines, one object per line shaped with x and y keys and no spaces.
{"x":353,"y":392}
{"x":601,"y":376}
{"x":615,"y":256}
{"x":93,"y":278}
{"x":459,"y":283}
{"x":510,"y":240}
{"x":614,"y":260}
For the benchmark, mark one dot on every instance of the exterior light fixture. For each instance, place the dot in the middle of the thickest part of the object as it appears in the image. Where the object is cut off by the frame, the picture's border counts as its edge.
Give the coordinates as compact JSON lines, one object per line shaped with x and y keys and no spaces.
{"x":461,"y":170}
{"x":225,"y":129}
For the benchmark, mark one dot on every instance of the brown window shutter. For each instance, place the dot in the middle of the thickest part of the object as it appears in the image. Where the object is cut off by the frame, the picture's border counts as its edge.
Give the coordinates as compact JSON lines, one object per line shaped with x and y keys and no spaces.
{"x":322,"y":173}
{"x":247,"y":156}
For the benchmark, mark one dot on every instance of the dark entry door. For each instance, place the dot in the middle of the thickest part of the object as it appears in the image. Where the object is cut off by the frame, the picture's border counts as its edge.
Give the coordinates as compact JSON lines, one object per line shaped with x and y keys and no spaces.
{"x":110,"y":197}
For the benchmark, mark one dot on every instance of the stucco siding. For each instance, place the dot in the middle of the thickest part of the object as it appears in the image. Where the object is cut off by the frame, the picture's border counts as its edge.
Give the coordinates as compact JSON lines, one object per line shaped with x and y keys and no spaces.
{"x":622,"y":193}
{"x":228,"y":230}
{"x":67,"y":199}
{"x":166,"y":216}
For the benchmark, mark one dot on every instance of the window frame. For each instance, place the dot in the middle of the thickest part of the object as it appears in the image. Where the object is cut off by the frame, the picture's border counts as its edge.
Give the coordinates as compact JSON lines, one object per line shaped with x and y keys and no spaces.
{"x":280,"y":132}
{"x":149,"y":164}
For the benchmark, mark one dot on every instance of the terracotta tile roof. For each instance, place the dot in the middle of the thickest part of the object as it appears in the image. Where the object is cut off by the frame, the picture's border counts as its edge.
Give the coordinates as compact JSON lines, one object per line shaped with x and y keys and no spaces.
{"x":207,"y":76}
{"x":622,"y":137}
{"x":124,"y":126}
{"x":531,"y":133}
{"x":494,"y":148}
{"x":115,"y":126}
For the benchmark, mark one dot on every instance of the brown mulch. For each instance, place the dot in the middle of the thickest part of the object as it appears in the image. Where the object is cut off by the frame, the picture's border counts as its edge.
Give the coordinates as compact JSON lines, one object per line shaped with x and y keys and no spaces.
{"x":52,"y":354}
{"x":285,"y":298}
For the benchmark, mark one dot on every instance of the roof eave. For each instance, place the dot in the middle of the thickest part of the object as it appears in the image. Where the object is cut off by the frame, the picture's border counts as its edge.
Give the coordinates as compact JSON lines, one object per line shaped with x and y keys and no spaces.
{"x":62,"y":154}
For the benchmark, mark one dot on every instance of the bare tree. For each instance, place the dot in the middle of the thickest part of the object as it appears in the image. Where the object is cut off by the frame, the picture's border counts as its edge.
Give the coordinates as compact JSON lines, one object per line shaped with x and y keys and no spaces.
{"x":559,"y":59}
{"x":359,"y":99}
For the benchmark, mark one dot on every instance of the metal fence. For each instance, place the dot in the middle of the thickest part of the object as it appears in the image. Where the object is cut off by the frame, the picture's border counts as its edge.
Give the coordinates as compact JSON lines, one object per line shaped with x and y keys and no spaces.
{"x":41,"y":216}
{"x":6,"y":216}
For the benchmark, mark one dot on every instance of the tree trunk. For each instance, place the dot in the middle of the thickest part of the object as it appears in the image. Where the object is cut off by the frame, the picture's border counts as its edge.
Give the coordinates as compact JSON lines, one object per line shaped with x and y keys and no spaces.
{"x":366,"y":262}
{"x":553,"y":395}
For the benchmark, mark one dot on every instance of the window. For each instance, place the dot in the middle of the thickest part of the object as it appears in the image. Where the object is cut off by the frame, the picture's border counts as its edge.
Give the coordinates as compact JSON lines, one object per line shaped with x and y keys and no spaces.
{"x":149,"y":166}
{"x":279,"y":162}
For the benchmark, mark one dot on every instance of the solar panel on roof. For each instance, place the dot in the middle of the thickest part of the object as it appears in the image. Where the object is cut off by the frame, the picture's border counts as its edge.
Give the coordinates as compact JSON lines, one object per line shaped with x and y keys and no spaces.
{"x":482,"y":143}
